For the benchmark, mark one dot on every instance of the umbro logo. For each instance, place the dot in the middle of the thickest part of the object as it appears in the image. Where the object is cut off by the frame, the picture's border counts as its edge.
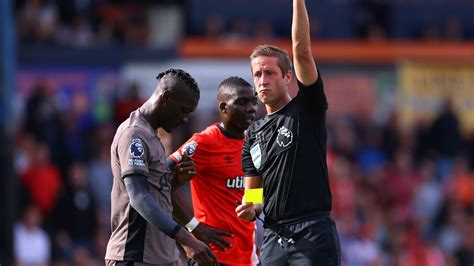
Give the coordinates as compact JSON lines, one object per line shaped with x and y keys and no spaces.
{"x":229,"y":159}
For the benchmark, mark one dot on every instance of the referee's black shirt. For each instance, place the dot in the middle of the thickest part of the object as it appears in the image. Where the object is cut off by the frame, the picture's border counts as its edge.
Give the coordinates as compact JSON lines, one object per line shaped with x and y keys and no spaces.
{"x":288,"y":150}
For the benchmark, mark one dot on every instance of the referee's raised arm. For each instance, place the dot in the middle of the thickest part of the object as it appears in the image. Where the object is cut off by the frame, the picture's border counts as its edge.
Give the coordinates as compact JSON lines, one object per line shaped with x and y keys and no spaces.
{"x":303,"y":60}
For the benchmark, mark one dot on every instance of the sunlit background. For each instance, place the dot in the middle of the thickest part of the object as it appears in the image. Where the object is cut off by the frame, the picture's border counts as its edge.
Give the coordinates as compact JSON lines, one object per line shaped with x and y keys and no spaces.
{"x":398,"y":74}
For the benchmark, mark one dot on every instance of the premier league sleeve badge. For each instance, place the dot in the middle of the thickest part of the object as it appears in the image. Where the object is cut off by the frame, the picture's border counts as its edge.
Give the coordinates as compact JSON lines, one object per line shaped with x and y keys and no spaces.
{"x":137,"y":152}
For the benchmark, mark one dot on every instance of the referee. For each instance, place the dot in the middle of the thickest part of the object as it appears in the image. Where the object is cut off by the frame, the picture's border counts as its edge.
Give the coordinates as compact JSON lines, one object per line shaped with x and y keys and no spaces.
{"x":285,"y":153}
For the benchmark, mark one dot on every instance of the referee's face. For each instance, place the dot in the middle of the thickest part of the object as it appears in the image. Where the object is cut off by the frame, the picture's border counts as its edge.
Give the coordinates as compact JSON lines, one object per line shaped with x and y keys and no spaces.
{"x":271,"y":85}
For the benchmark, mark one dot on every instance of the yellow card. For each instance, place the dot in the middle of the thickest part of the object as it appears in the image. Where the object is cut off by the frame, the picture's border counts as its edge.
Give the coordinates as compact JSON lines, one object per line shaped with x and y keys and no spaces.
{"x":254,"y":195}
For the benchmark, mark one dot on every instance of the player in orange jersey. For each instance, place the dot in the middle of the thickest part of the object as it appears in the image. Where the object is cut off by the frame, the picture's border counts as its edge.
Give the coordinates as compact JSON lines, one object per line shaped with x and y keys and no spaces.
{"x":219,"y":183}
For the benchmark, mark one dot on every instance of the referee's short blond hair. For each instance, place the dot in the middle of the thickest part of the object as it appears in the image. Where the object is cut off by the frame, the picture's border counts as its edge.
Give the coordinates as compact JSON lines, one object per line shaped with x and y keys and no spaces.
{"x":284,"y":61}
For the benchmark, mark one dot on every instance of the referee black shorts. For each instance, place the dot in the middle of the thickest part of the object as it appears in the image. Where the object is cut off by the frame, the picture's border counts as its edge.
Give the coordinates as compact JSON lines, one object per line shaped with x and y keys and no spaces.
{"x":312,"y":242}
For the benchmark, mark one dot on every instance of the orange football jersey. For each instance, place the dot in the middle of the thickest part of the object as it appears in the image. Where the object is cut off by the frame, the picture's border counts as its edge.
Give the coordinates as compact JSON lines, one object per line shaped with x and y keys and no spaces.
{"x":216,"y":189}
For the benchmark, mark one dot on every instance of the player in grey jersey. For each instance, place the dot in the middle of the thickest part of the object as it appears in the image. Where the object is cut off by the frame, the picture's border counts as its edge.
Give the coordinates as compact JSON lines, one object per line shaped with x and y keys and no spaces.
{"x":143,"y":231}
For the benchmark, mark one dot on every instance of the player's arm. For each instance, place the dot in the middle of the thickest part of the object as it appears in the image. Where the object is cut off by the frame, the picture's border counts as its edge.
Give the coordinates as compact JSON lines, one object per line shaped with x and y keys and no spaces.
{"x":142,"y":201}
{"x":182,"y":213}
{"x":303,"y":60}
{"x":252,"y":179}
{"x":249,"y":211}
{"x":185,"y":216}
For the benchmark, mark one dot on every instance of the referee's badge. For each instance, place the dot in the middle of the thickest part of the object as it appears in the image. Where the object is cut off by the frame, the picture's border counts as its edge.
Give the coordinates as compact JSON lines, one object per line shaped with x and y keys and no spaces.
{"x":256,"y":154}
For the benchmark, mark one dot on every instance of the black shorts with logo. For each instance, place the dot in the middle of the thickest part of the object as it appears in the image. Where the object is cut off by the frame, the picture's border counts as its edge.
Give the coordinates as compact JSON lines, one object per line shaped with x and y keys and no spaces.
{"x":312,"y":242}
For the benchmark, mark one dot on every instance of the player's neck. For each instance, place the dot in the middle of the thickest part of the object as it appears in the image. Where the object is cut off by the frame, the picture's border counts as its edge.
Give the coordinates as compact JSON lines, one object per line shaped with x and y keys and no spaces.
{"x":228,"y":131}
{"x":145,"y":112}
{"x":272,"y":108}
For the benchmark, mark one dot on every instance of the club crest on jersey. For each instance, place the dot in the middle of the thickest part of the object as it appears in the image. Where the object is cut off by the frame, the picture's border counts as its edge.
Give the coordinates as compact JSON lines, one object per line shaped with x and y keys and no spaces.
{"x":136,"y":148}
{"x":190,"y":147}
{"x":285,"y":137}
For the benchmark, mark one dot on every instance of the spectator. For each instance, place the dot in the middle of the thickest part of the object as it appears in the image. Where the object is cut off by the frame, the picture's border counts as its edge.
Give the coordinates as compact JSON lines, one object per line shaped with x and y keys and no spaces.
{"x":428,"y":197}
{"x":362,"y":249}
{"x":461,"y":184}
{"x":31,"y":243}
{"x":78,"y":35}
{"x":370,"y":156}
{"x":401,"y":180}
{"x":445,"y":132}
{"x":75,"y":213}
{"x":43,"y":119}
{"x":42,"y":180}
{"x":464,"y":255}
{"x":372,"y":19}
{"x":100,"y":179}
{"x":128,"y":102}
{"x":38,"y":22}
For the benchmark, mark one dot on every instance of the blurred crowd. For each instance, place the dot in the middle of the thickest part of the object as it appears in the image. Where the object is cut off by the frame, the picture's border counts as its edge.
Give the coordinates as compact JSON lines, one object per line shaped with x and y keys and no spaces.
{"x":80,"y":24}
{"x":103,"y":23}
{"x":401,"y":196}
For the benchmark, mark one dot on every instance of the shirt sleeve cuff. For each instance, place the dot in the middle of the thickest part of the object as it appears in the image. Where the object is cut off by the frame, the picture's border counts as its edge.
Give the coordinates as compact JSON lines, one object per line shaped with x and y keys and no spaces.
{"x":175,"y":231}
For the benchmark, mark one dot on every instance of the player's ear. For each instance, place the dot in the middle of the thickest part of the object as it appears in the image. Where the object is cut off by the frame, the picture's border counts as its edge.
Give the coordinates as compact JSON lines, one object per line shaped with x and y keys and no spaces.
{"x":223,"y":107}
{"x":165,"y":96}
{"x":288,"y":77}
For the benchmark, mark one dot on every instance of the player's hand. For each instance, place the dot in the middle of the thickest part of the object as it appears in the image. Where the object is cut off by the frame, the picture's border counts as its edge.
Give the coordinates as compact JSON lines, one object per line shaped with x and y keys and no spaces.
{"x":213,"y":236}
{"x":246,"y":211}
{"x":195,"y":249}
{"x":185,"y":169}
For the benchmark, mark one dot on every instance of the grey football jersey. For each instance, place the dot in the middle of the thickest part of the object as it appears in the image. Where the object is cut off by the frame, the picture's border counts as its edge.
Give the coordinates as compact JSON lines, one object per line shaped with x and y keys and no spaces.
{"x":136,"y":149}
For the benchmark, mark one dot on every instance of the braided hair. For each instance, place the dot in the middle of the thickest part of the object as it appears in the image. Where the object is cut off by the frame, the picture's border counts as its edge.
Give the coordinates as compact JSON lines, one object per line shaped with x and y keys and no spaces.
{"x":183,"y":76}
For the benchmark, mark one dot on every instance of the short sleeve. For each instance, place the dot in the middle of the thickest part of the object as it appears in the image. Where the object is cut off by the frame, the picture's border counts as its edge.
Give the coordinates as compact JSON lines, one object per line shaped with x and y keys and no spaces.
{"x":248,"y":165}
{"x":133,"y":152}
{"x":312,"y":97}
{"x":196,"y":148}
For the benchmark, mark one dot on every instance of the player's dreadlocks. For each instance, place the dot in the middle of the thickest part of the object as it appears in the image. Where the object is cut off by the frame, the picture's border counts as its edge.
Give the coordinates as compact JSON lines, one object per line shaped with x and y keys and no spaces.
{"x":182,"y":76}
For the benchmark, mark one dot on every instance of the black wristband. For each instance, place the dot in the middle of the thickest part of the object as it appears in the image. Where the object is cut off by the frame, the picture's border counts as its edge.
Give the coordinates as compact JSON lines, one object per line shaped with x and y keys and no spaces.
{"x":175,"y":231}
